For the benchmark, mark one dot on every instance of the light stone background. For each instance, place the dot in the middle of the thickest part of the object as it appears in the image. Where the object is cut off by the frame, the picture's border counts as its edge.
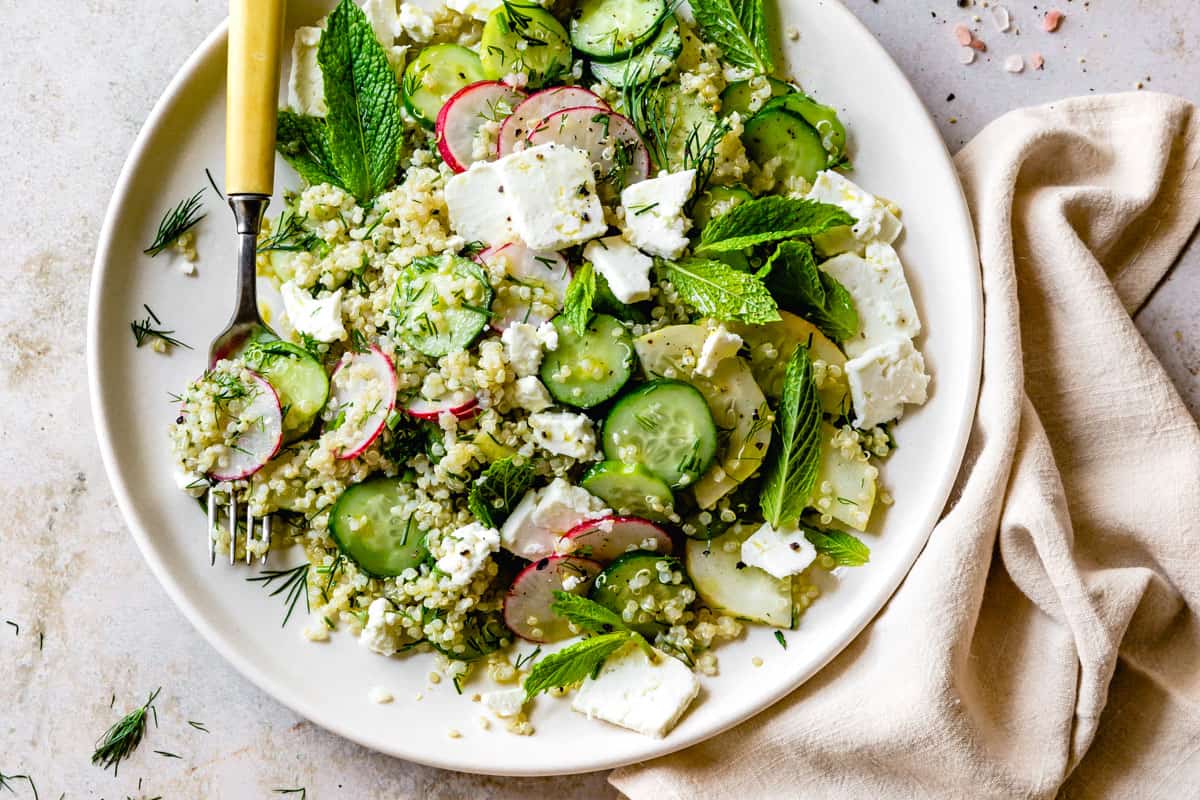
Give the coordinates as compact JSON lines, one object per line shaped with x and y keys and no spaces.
{"x":77,"y":79}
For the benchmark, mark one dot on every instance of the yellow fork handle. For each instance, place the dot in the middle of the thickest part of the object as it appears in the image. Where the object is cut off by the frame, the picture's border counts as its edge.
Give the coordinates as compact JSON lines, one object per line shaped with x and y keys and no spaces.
{"x":255,"y":41}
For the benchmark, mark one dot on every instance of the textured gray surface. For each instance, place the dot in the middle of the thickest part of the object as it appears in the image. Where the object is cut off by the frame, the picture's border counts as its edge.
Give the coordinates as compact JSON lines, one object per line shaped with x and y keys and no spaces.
{"x":76,"y":81}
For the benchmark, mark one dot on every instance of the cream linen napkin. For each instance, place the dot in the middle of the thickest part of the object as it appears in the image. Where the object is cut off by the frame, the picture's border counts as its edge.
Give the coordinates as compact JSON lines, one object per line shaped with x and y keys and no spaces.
{"x":1048,"y":638}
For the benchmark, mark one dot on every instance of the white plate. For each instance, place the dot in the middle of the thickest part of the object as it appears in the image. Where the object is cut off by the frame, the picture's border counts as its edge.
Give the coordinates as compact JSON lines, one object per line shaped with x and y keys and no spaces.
{"x":897,"y":153}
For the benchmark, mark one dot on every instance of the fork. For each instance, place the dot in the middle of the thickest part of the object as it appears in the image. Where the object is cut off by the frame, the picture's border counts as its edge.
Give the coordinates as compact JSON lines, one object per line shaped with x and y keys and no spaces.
{"x":255,"y":41}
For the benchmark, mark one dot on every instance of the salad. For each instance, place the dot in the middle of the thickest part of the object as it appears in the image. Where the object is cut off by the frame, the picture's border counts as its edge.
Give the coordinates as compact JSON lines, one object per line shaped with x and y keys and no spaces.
{"x":579,"y":336}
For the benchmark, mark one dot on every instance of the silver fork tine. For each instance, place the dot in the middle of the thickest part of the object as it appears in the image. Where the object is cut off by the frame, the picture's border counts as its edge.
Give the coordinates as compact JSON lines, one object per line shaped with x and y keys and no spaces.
{"x":266,"y":537}
{"x":212,"y":527}
{"x":232,"y":525}
{"x":249,"y":532}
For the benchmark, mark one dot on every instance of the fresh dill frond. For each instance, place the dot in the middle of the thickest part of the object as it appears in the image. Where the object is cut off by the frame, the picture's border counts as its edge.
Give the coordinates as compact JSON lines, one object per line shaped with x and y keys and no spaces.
{"x":167,"y":754}
{"x":290,"y":235}
{"x":119,"y":741}
{"x":198,"y":726}
{"x":298,"y":790}
{"x":175,"y":223}
{"x":294,"y":585}
{"x":145,"y":330}
{"x":527,"y":659}
{"x":16,"y":628}
{"x":213,"y":183}
{"x":5,"y":783}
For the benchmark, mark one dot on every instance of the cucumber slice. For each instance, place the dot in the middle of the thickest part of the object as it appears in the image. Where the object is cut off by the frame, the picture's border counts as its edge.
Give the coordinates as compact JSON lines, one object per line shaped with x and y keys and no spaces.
{"x":770,"y":364}
{"x":483,"y":634}
{"x":823,"y":119}
{"x":665,"y":426}
{"x":434,"y":76}
{"x":298,"y":378}
{"x":737,"y":96}
{"x":442,"y":304}
{"x":367,"y":528}
{"x":610,"y":30}
{"x":518,"y":37}
{"x":776,"y":133}
{"x":629,"y":490}
{"x":851,"y":482}
{"x":585,"y":370}
{"x":721,"y":199}
{"x":652,"y":61}
{"x":692,"y":123}
{"x":634,"y":583}
{"x":726,"y":584}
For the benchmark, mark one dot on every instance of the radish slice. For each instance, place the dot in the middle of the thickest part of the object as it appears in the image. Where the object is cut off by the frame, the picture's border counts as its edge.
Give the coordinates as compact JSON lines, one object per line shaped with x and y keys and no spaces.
{"x":605,"y":135}
{"x":538,"y":269}
{"x":467,"y":111}
{"x":527,"y":606}
{"x":261,"y":440}
{"x":362,"y":395}
{"x":608,"y":538}
{"x":461,"y":404}
{"x":537,"y":107}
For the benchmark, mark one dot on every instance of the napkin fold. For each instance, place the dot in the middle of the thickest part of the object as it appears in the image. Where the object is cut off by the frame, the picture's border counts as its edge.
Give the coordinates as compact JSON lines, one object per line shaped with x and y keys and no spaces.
{"x":1047,"y":641}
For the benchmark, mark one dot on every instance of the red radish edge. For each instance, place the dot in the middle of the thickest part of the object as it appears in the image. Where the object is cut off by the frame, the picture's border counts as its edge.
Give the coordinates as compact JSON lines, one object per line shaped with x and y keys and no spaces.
{"x":260,"y":461}
{"x":444,"y":146}
{"x":643,"y":151}
{"x":372,"y":434}
{"x":532,"y":593}
{"x":613,"y":542}
{"x":541,"y":97}
{"x":461,"y":404}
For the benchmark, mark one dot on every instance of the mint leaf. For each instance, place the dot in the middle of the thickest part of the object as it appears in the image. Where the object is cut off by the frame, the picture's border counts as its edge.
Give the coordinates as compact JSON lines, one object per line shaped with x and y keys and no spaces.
{"x":739,"y":28}
{"x":792,"y":276}
{"x":769,"y":219}
{"x":846,"y":550}
{"x":717,"y":290}
{"x":363,"y":124}
{"x":300,"y":140}
{"x":501,"y":486}
{"x":587,"y":614}
{"x":581,"y":294}
{"x":575,"y":663}
{"x":795,"y":454}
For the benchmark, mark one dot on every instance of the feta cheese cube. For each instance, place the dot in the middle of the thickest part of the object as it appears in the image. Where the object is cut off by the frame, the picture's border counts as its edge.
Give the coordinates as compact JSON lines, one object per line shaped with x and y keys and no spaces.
{"x":320,"y":318}
{"x":379,"y":635}
{"x":881,"y":296}
{"x":531,"y":394}
{"x":564,"y":434}
{"x":719,"y":345}
{"x":779,"y":552}
{"x":548,"y":335}
{"x":637,"y":693}
{"x":552,"y":196}
{"x":306,"y":83}
{"x":478,"y":206}
{"x":883,"y":379}
{"x":463,"y":553}
{"x":624,"y":267}
{"x":561,"y":506}
{"x":384,"y":19}
{"x":875,"y":221}
{"x":505,"y":703}
{"x":523,"y":348}
{"x":521,"y":536}
{"x":654,"y":218}
{"x":416,"y":22}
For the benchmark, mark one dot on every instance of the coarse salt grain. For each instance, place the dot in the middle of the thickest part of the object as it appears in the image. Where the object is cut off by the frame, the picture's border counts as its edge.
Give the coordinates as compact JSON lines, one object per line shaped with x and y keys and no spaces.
{"x":1052,"y":20}
{"x":1014,"y":64}
{"x":1002,"y":18}
{"x":966,"y":55}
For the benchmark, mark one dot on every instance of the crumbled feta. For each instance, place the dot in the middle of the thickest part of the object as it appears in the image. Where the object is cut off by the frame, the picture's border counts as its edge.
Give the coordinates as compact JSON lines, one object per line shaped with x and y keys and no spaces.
{"x":475,"y":9}
{"x":379,"y":635}
{"x":881,"y":296}
{"x":875,"y":221}
{"x":380,"y":695}
{"x":505,"y":703}
{"x":531,"y":394}
{"x":636,"y":693}
{"x":384,"y":19}
{"x":562,"y":506}
{"x":523,"y":348}
{"x":465,"y":551}
{"x":883,"y":379}
{"x":306,"y":84}
{"x":478,"y":206}
{"x":416,"y":22}
{"x":552,"y":198}
{"x":654,"y":218}
{"x":624,"y":267}
{"x":780,"y":552}
{"x":320,"y":318}
{"x":521,"y":536}
{"x":719,"y":345}
{"x":548,"y":335}
{"x":564,"y":434}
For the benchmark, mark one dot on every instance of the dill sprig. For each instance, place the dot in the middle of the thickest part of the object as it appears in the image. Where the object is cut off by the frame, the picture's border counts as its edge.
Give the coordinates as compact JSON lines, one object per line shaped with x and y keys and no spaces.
{"x":294,"y":584}
{"x":119,"y":741}
{"x":300,"y":790}
{"x":5,"y":783}
{"x":200,"y":726}
{"x":290,"y":235}
{"x":175,"y":223}
{"x":145,"y":330}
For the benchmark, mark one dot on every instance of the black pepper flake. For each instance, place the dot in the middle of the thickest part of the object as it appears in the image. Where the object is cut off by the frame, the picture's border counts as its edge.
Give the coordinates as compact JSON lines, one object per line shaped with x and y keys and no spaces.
{"x":740,"y":565}
{"x":793,"y":545}
{"x":541,"y":565}
{"x":950,"y":97}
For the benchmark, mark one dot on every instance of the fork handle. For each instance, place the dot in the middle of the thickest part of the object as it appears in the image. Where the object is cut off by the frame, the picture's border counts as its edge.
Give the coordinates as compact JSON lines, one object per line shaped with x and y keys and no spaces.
{"x":255,"y":41}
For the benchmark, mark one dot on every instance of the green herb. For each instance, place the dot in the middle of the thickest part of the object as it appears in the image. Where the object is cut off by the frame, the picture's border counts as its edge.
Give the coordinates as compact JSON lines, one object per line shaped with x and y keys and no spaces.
{"x":302,"y":141}
{"x":4,"y":783}
{"x":294,"y":583}
{"x":575,"y":663}
{"x":175,"y":223}
{"x":298,"y":790}
{"x":792,"y":275}
{"x":166,"y":754}
{"x":501,"y":486}
{"x":779,"y":638}
{"x":198,"y":726}
{"x":845,"y":549}
{"x":363,"y":126}
{"x":769,"y":219}
{"x":587,"y":614}
{"x":290,"y":235}
{"x":145,"y":330}
{"x":213,"y":183}
{"x":739,"y":28}
{"x":795,"y":454}
{"x":16,"y":628}
{"x":717,"y":290}
{"x":581,"y":294}
{"x":119,"y":741}
{"x":527,"y":659}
